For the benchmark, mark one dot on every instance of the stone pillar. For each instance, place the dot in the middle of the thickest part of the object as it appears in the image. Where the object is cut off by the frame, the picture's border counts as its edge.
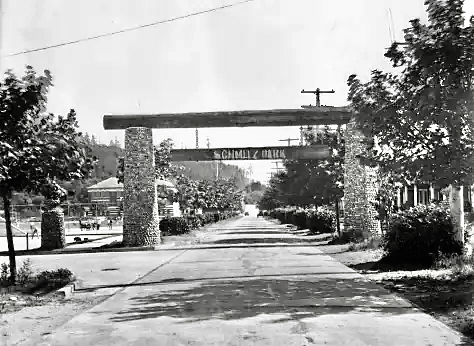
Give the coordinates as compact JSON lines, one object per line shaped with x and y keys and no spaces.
{"x":360,"y":186}
{"x":53,"y":233}
{"x":140,"y":205}
{"x":399,"y":198}
{"x":405,"y":194}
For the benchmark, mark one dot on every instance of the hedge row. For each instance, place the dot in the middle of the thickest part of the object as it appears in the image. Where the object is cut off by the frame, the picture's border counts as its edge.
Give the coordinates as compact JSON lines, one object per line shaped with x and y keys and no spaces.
{"x":318,"y":220}
{"x":184,"y":224}
{"x":420,"y":235}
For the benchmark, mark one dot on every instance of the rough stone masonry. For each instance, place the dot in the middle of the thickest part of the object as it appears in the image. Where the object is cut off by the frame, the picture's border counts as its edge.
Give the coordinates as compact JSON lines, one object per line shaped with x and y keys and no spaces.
{"x":140,"y":208}
{"x":360,"y":186}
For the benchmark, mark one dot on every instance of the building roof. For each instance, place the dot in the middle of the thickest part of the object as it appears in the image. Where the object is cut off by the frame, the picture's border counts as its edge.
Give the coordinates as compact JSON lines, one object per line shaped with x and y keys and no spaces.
{"x":113,"y":184}
{"x":110,"y":183}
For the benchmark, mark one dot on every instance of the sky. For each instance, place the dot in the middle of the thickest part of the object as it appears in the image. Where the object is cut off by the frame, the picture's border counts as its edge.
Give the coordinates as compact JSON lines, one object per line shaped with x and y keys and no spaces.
{"x":257,"y":55}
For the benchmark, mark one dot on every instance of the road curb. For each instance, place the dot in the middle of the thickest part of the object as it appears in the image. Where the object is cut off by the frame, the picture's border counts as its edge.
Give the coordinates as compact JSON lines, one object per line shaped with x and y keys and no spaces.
{"x":66,"y":291}
{"x":85,"y":250}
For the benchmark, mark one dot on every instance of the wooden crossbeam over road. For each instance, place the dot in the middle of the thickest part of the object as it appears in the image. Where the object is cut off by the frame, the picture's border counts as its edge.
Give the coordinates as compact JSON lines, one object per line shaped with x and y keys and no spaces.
{"x":275,"y":117}
{"x":316,"y":152}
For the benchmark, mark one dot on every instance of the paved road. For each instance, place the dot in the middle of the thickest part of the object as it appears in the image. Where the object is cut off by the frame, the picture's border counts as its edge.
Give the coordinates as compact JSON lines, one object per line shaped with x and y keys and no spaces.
{"x":254,"y":284}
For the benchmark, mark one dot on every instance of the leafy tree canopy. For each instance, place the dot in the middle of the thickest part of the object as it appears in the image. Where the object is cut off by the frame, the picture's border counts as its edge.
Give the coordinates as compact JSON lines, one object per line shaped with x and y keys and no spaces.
{"x":422,"y":114}
{"x":37,"y":149}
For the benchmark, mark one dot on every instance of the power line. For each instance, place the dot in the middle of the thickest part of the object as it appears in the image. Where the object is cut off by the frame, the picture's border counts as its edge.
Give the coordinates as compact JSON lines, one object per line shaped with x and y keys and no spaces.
{"x":130,"y":29}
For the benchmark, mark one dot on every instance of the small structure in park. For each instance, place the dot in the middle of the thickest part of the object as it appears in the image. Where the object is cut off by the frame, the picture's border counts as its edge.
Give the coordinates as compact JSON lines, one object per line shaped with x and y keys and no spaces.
{"x":140,"y":225}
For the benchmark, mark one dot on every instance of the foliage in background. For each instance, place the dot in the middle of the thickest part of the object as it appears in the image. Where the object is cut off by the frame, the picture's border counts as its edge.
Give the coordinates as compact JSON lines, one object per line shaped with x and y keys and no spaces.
{"x":206,"y":194}
{"x":321,"y":219}
{"x":182,"y":225}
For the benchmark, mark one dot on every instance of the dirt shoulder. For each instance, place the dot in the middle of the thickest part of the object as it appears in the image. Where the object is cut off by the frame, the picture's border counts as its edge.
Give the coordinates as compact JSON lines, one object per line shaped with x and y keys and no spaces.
{"x":28,"y":325}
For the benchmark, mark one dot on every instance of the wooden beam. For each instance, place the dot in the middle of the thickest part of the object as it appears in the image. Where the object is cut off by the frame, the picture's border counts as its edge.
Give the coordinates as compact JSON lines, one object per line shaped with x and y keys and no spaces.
{"x":275,"y":117}
{"x":316,"y":152}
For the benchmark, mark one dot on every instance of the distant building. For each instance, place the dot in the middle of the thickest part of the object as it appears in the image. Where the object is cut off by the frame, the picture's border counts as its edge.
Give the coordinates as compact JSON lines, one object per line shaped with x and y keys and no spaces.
{"x":109,"y":192}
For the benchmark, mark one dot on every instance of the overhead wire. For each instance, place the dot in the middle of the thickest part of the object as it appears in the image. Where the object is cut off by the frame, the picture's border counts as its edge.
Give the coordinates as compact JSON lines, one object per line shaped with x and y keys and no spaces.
{"x":68,"y":43}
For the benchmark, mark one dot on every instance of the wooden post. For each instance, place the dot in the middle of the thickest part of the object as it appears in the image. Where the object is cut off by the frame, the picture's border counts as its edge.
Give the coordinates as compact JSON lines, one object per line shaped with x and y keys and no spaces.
{"x":338,"y":222}
{"x":415,"y":195}
{"x":27,"y":242}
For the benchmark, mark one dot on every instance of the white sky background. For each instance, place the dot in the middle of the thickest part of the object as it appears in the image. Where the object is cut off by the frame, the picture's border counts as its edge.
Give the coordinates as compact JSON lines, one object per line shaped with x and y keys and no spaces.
{"x":257,"y":55}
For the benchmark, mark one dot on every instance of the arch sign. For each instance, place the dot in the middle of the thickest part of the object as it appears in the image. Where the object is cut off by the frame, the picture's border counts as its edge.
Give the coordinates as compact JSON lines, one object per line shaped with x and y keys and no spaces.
{"x":315,"y":152}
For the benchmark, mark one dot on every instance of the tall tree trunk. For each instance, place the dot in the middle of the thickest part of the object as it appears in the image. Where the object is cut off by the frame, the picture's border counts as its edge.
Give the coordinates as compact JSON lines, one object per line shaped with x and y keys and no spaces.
{"x":456,"y":206}
{"x":11,"y":246}
{"x":338,"y":220}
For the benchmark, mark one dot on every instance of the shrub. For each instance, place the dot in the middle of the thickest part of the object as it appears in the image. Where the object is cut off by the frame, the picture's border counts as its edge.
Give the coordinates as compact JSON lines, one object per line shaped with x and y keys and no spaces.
{"x":420,"y":235}
{"x":174,"y":226}
{"x":321,"y":220}
{"x":25,"y":273}
{"x":193,"y":221}
{"x":51,"y":280}
{"x":4,"y":274}
{"x":299,"y":218}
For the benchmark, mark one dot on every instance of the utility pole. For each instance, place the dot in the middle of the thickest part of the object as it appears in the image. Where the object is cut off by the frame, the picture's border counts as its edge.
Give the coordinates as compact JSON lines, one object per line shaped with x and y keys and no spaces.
{"x":277,"y":168}
{"x":288,"y":140}
{"x":208,"y":143}
{"x":318,"y":93}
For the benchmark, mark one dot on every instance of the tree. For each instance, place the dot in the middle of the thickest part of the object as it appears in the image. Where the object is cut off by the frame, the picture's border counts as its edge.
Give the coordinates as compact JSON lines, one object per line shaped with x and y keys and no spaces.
{"x":164,"y":168}
{"x":36,"y":148}
{"x":205,"y":194}
{"x":312,"y":182}
{"x":422,"y":116}
{"x":270,"y":199}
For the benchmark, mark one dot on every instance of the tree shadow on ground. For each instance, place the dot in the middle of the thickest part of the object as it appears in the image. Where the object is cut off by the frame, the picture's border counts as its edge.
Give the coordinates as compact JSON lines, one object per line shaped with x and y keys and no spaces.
{"x":255,"y":232}
{"x":383,"y":265}
{"x":436,"y":295}
{"x":243,"y":298}
{"x":256,"y":240}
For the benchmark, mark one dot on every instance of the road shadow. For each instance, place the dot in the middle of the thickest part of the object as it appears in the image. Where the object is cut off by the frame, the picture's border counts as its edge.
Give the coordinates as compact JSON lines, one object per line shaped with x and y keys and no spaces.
{"x":256,"y":240}
{"x":383,"y":265}
{"x":287,"y":298}
{"x":144,"y":282}
{"x":239,"y":298}
{"x":255,"y":232}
